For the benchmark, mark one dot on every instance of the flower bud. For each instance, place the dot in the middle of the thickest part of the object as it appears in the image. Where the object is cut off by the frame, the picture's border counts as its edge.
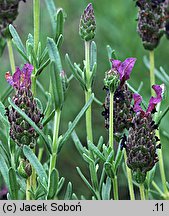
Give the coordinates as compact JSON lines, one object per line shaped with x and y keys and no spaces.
{"x":87,"y":27}
{"x":25,"y":169}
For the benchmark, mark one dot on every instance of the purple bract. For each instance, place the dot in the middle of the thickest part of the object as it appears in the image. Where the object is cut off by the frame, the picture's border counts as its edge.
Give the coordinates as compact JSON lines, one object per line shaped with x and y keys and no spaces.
{"x":123,"y":68}
{"x":21,"y":79}
{"x":159,"y":90}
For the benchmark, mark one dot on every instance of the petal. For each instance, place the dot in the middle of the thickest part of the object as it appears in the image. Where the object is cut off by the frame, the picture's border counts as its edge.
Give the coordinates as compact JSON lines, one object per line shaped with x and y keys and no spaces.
{"x":9,"y":78}
{"x":27,"y":71}
{"x":17,"y":77}
{"x":126,"y":68}
{"x":159,"y":90}
{"x":137,"y":101}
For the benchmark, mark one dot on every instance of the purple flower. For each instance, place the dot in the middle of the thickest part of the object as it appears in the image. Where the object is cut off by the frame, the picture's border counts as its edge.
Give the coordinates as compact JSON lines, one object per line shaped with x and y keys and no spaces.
{"x":123,"y":68}
{"x":159,"y":90}
{"x":21,"y":79}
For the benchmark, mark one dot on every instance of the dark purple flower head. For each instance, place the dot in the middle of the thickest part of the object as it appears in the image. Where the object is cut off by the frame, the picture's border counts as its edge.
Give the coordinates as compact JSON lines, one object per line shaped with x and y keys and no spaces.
{"x":21,"y":79}
{"x":123,"y":68}
{"x":159,"y":90}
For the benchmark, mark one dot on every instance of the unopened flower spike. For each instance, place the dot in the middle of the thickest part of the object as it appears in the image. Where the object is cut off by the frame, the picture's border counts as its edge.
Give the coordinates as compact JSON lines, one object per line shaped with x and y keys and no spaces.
{"x":8,"y":13}
{"x":20,"y":130}
{"x":151,"y":22}
{"x":142,"y":142}
{"x":166,"y":8}
{"x":87,"y":27}
{"x":116,"y":78}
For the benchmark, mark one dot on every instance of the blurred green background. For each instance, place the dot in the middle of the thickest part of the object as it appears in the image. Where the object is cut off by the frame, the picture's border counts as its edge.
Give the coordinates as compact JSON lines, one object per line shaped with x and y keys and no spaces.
{"x":116,"y":26}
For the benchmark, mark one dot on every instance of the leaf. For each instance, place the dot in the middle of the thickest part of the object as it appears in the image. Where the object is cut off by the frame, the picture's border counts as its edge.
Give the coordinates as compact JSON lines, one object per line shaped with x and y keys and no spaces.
{"x":13,"y":184}
{"x":93,"y":55}
{"x":17,"y":41}
{"x":36,"y":164}
{"x":95,"y":149}
{"x":85,"y":181}
{"x":40,"y":132}
{"x":77,"y":142}
{"x":118,"y":158}
{"x":4,"y":170}
{"x":54,"y":180}
{"x":52,"y":12}
{"x":75,"y":122}
{"x":111,"y":54}
{"x":6,"y":94}
{"x":75,"y":73}
{"x":57,"y":88}
{"x":54,"y":54}
{"x":109,"y":170}
{"x":3,"y":116}
{"x":60,"y":41}
{"x":59,"y":23}
{"x":60,"y":184}
{"x":94,"y":70}
{"x":68,"y":193}
{"x":100,"y":143}
{"x":39,"y":71}
{"x":106,"y":189}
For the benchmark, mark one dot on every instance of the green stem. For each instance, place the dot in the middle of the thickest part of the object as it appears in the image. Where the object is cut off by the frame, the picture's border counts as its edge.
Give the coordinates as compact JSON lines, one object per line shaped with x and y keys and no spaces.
{"x":11,"y":55}
{"x":115,"y":188}
{"x":160,"y":154}
{"x":33,"y":177}
{"x":161,"y":165}
{"x":55,"y":142}
{"x":152,"y":75}
{"x":111,"y":129}
{"x":129,"y":178}
{"x":28,"y":197}
{"x":142,"y":194}
{"x":36,"y":11}
{"x":88,"y":93}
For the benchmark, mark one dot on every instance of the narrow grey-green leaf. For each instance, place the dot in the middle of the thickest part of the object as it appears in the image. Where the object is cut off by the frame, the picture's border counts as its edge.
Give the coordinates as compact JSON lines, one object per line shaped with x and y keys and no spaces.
{"x":75,"y":122}
{"x":95,"y":149}
{"x":59,"y":23}
{"x":68,"y":193}
{"x":60,"y":185}
{"x":13,"y":184}
{"x":93,"y":54}
{"x":4,"y":170}
{"x":106,"y":189}
{"x":52,"y":13}
{"x":17,"y":39}
{"x":36,"y":164}
{"x":54,"y":180}
{"x":75,"y":73}
{"x":54,"y":54}
{"x":57,"y":88}
{"x":86,"y":181}
{"x":40,"y":132}
{"x":77,"y":142}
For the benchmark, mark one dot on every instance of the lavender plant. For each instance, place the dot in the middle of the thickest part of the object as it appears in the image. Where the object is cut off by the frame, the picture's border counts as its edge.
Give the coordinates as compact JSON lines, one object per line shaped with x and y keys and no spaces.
{"x":31,"y":140}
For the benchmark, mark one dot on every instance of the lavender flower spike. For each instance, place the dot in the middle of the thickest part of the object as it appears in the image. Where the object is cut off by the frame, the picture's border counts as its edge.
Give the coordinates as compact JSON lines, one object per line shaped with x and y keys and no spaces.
{"x":21,"y":79}
{"x":87,"y":27}
{"x":123,"y":68}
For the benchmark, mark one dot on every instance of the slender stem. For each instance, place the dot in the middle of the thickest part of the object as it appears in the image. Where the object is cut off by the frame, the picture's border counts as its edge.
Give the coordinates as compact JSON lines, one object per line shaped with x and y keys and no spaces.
{"x":40,"y":154}
{"x":11,"y":55}
{"x":111,"y":129}
{"x":36,"y":6}
{"x":160,"y":154}
{"x":115,"y":188}
{"x":55,"y":142}
{"x":129,"y":178}
{"x":161,"y":165}
{"x":142,"y":194}
{"x":88,"y":93}
{"x":89,"y":117}
{"x":28,"y":197}
{"x":33,"y":177}
{"x":152,"y":75}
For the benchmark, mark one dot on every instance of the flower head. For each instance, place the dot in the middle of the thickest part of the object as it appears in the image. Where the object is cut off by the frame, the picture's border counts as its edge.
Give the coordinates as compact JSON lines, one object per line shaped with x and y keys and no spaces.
{"x":123,"y":68}
{"x":21,"y":79}
{"x":87,"y":25}
{"x":159,"y":90}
